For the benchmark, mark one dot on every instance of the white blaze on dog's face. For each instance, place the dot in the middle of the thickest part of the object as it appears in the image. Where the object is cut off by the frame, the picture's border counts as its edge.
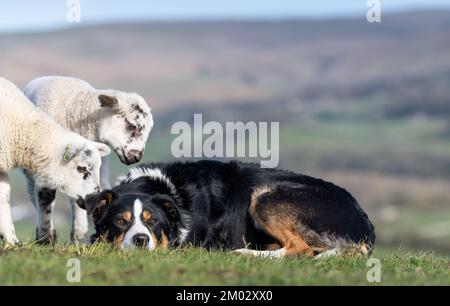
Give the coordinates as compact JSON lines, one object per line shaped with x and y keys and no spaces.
{"x":138,"y":234}
{"x":126,"y":124}
{"x":80,"y":174}
{"x":133,"y":220}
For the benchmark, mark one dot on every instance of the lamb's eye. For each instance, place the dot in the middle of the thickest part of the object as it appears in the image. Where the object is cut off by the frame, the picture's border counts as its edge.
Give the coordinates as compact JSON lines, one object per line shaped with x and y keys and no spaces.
{"x":131,"y":127}
{"x":82,"y":170}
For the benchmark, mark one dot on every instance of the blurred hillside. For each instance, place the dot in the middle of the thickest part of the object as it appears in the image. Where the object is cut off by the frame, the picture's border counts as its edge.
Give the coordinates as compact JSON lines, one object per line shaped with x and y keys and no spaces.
{"x":365,"y":105}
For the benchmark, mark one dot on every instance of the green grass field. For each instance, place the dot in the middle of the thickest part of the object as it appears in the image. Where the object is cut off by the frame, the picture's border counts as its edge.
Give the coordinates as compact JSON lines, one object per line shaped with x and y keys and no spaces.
{"x":103,"y":265}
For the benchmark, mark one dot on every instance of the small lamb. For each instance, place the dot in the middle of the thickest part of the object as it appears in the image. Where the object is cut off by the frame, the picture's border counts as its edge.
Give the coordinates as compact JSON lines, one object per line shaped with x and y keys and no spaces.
{"x":58,"y":159}
{"x":118,"y":119}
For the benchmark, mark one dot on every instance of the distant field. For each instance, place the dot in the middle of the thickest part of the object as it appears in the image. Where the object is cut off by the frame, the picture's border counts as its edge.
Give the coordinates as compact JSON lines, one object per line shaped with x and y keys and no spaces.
{"x":102,"y":265}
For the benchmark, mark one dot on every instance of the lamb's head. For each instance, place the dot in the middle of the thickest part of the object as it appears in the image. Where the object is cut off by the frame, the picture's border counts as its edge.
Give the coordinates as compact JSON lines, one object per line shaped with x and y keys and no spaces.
{"x":76,"y":168}
{"x":125,"y":124}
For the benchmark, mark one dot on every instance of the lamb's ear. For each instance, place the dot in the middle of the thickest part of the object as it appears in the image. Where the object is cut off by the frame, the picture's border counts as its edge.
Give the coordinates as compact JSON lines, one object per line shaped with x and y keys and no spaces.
{"x":72,"y":150}
{"x":107,"y":100}
{"x":102,"y":148}
{"x":97,"y":204}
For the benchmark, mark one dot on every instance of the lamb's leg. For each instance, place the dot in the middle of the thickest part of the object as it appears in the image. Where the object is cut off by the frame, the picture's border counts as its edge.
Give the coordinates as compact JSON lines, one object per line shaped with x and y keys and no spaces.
{"x":43,"y":200}
{"x":7,"y":231}
{"x":80,"y":226}
{"x":104,"y":173}
{"x":44,"y":203}
{"x":30,"y":186}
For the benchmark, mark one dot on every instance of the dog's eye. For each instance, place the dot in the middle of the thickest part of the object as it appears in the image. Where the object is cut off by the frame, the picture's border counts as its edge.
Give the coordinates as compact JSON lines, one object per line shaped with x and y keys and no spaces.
{"x":121,"y":221}
{"x":151,"y":221}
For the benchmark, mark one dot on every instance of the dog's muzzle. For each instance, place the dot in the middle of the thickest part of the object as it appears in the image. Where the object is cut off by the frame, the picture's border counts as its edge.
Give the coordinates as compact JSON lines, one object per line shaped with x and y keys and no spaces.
{"x":141,"y":240}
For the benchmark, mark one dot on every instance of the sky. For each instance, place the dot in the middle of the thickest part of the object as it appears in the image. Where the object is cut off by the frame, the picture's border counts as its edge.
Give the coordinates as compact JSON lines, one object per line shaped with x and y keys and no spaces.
{"x":32,"y":15}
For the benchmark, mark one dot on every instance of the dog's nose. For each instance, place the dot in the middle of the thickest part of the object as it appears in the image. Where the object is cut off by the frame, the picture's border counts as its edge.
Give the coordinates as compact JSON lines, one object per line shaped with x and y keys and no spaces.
{"x":135,"y":155}
{"x":141,"y":240}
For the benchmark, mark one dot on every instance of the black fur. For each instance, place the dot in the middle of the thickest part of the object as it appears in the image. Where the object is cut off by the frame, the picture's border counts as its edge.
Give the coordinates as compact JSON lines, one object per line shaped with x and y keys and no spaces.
{"x":45,"y":199}
{"x":215,"y":196}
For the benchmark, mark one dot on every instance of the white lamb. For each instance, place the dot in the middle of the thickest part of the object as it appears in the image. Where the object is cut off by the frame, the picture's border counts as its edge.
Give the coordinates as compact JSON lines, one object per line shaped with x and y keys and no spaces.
{"x":119,"y":119}
{"x":58,"y":159}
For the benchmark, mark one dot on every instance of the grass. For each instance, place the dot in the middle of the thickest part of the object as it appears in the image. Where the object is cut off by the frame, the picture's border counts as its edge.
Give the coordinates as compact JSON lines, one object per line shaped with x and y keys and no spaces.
{"x":101,"y":264}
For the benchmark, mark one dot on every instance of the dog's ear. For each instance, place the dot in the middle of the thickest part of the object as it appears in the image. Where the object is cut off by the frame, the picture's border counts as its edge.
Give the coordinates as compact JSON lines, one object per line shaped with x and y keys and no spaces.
{"x":97,"y":205}
{"x":167,"y":203}
{"x":171,"y":210}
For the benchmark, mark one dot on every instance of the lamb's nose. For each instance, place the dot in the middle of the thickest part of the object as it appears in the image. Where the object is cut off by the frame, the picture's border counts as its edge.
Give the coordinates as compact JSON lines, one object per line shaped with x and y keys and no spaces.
{"x":141,"y":240}
{"x":135,"y":155}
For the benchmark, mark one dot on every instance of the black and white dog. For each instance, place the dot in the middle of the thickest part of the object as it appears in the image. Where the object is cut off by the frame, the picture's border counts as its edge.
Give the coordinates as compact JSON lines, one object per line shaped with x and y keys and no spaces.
{"x":231,"y":206}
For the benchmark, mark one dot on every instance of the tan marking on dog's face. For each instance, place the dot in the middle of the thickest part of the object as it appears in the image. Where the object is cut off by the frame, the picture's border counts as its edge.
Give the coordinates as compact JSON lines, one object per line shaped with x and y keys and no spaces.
{"x":119,"y":239}
{"x":127,"y":216}
{"x":146,"y":215}
{"x":164,"y":241}
{"x":154,"y":239}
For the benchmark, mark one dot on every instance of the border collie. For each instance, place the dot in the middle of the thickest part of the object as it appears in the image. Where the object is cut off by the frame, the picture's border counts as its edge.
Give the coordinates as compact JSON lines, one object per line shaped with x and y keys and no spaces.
{"x":230,"y":206}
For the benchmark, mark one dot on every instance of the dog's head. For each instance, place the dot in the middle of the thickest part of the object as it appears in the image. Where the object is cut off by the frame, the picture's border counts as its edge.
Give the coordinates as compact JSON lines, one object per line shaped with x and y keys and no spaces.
{"x":135,"y":220}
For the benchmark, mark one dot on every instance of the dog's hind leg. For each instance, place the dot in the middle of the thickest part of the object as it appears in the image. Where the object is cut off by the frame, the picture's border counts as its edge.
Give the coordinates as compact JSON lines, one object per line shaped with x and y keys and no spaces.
{"x":266,"y":254}
{"x":278,"y":218}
